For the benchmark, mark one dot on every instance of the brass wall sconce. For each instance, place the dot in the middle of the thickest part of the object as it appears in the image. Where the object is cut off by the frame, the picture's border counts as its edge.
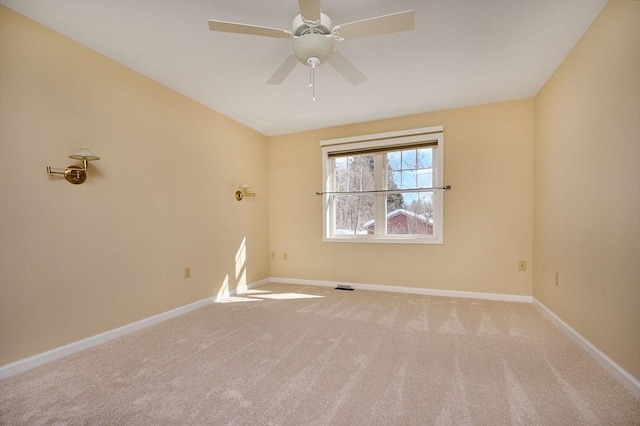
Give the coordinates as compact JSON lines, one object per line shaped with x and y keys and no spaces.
{"x":74,"y":174}
{"x":244,"y":192}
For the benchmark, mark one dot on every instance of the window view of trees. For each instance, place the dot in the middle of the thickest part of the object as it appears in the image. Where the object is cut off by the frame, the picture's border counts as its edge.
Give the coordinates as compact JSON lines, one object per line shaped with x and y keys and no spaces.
{"x":407,"y":212}
{"x":352,"y":174}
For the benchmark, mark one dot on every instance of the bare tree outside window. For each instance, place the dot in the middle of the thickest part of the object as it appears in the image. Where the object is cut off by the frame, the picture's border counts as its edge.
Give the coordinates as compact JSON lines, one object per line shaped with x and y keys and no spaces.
{"x":352,"y":174}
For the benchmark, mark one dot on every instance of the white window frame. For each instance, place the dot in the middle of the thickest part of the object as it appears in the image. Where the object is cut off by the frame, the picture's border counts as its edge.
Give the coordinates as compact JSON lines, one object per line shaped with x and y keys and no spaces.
{"x":399,"y":139}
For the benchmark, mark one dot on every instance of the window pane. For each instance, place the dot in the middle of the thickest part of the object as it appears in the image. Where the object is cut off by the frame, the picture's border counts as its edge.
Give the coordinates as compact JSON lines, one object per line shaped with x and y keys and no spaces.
{"x":394,"y":160}
{"x":354,"y":173}
{"x":340,"y":167}
{"x":395,"y":180}
{"x":425,"y":178}
{"x":425,"y":158}
{"x":409,"y":180}
{"x":354,"y":214}
{"x":395,"y":202}
{"x":409,"y":159}
{"x":412,"y":216}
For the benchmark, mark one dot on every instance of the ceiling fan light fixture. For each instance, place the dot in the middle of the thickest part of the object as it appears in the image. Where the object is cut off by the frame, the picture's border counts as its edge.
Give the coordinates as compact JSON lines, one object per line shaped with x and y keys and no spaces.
{"x":313,"y":46}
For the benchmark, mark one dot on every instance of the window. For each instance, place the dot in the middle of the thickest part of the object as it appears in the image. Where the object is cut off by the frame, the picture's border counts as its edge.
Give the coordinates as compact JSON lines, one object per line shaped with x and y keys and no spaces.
{"x":384,"y":188}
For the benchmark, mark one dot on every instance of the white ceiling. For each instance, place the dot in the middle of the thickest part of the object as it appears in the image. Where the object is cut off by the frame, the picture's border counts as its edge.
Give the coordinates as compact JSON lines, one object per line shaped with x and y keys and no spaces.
{"x":461,"y":53}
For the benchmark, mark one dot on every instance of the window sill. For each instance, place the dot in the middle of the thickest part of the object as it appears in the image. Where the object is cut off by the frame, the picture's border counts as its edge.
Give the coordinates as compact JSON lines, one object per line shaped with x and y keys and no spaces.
{"x":385,"y":240}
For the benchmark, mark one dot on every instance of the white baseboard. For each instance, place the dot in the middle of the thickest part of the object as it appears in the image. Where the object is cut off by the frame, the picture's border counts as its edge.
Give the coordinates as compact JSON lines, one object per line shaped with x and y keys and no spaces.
{"x":71,"y":348}
{"x":409,"y":290}
{"x":607,"y":363}
{"x":28,"y":363}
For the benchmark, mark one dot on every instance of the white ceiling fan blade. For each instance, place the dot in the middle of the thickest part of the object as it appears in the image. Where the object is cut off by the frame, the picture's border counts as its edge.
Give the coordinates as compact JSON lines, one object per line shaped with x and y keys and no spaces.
{"x":310,"y":10}
{"x":233,"y":27}
{"x":396,"y":22}
{"x":346,"y":68}
{"x":283,"y":70}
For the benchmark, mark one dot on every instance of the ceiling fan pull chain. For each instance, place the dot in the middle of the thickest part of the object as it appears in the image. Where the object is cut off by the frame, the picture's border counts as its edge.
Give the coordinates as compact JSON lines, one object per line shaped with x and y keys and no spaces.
{"x":313,"y":62}
{"x":313,"y":84}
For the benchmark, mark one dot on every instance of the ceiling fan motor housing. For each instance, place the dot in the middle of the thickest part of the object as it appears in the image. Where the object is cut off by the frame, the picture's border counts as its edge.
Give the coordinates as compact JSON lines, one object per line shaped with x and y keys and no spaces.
{"x":300,"y":27}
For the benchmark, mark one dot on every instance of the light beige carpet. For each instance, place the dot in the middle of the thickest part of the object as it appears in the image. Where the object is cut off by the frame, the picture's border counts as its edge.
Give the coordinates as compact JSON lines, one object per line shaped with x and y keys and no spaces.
{"x":294,"y":355}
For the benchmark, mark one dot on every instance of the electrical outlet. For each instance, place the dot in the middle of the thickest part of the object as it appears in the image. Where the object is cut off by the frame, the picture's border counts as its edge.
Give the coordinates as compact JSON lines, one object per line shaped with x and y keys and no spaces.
{"x":557,"y":279}
{"x":187,"y":272}
{"x":285,"y":256}
{"x":522,"y":265}
{"x":273,"y":255}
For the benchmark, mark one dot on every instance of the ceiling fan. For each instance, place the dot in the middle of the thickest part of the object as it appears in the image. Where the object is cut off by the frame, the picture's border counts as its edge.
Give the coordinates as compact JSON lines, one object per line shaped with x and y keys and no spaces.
{"x":313,"y":37}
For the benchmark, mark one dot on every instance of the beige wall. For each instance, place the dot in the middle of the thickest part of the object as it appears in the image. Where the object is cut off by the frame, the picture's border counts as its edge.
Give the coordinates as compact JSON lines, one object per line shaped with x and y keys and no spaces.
{"x":80,"y":260}
{"x":488,"y":216}
{"x":587,"y":180}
